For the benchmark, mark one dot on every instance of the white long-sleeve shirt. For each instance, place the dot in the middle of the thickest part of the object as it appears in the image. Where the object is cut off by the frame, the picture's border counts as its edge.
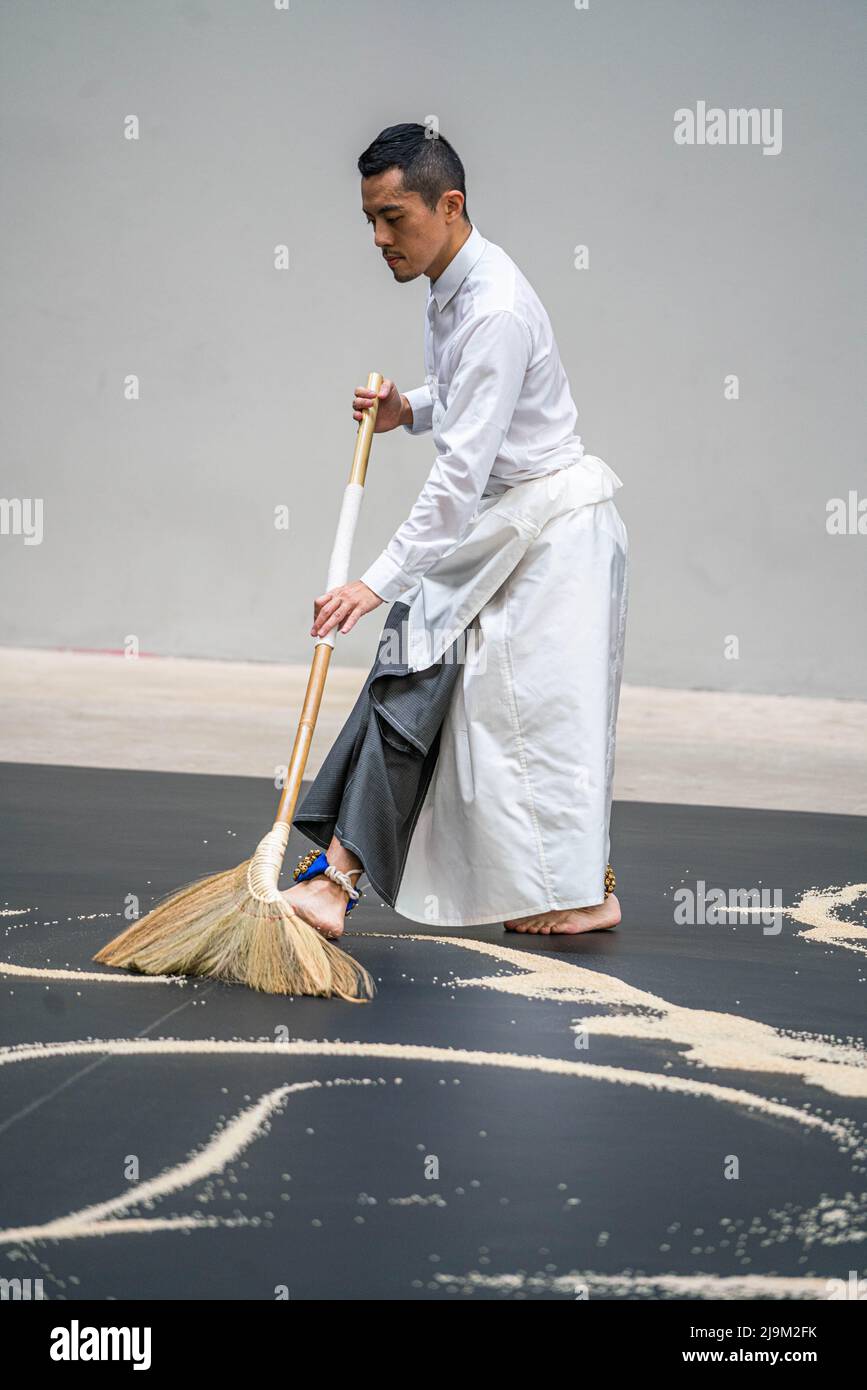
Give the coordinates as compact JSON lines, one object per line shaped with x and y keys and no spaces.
{"x":495,"y":397}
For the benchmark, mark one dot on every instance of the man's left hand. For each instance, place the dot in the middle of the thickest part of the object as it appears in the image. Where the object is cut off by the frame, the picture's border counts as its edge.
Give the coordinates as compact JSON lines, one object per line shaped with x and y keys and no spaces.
{"x":343,"y":605}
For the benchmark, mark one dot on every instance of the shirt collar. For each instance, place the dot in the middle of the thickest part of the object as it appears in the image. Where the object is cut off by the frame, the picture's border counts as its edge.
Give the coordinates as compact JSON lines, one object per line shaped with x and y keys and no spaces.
{"x":450,"y":280}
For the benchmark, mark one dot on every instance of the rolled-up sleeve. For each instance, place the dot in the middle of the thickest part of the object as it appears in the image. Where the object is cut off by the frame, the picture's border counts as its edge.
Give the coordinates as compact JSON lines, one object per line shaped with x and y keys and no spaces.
{"x":421,"y":403}
{"x":485,"y":387}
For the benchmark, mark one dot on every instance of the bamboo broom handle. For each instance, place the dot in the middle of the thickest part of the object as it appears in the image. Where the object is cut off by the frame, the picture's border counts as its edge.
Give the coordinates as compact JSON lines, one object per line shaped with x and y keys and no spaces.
{"x":338,"y":573}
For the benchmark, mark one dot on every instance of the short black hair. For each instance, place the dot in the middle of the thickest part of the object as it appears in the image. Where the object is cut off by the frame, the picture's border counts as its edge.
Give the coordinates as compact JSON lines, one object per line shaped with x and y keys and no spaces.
{"x":429,"y":165}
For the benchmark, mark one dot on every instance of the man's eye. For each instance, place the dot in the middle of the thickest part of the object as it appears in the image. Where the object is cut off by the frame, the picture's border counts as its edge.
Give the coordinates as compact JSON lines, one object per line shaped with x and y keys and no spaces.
{"x":394,"y":219}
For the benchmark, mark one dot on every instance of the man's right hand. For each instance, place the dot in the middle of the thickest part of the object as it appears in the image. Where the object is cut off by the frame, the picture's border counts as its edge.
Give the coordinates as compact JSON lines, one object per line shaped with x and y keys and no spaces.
{"x":393,"y":409}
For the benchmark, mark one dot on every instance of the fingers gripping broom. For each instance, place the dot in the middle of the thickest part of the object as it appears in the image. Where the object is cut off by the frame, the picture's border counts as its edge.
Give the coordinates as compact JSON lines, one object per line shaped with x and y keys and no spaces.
{"x":236,"y":926}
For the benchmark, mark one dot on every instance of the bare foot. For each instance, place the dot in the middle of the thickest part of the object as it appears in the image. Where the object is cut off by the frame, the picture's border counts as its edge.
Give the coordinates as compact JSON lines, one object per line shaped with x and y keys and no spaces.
{"x":571,"y":921}
{"x":321,"y":903}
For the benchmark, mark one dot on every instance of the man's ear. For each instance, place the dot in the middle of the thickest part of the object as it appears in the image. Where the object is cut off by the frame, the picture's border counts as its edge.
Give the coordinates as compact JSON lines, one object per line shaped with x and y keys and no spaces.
{"x":454,"y":204}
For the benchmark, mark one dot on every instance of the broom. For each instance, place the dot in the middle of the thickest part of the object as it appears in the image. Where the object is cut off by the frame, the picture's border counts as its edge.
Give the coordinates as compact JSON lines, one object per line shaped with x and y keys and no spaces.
{"x":236,"y":926}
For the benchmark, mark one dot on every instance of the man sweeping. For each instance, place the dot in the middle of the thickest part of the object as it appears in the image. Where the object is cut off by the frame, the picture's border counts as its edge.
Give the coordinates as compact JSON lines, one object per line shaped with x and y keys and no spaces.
{"x":472,"y":781}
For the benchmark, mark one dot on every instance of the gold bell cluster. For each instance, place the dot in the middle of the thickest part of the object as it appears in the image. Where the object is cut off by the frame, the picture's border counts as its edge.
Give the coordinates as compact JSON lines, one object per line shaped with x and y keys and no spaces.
{"x":610,"y":881}
{"x":304,"y":862}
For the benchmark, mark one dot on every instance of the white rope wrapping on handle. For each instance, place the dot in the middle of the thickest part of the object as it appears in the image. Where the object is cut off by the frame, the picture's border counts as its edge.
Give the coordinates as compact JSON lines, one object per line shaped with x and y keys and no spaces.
{"x":341,"y":553}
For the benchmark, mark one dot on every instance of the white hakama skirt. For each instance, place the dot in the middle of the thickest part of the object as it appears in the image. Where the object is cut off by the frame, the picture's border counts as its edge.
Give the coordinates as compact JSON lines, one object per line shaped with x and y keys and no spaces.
{"x":515,"y":819}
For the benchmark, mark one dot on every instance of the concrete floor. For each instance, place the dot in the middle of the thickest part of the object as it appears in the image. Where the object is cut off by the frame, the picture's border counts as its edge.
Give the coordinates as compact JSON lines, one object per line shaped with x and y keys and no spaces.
{"x":177,"y":715}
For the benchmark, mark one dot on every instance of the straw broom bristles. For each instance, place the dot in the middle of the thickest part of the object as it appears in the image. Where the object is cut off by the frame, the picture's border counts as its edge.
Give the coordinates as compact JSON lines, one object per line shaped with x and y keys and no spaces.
{"x":236,"y":926}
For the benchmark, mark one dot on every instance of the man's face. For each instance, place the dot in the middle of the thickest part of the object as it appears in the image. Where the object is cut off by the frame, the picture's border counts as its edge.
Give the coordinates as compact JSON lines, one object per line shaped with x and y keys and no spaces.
{"x":410,"y":237}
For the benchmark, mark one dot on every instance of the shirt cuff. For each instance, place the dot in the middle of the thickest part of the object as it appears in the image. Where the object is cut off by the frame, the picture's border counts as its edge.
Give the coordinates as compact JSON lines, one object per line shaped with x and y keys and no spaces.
{"x":386,"y":578}
{"x":421,"y":402}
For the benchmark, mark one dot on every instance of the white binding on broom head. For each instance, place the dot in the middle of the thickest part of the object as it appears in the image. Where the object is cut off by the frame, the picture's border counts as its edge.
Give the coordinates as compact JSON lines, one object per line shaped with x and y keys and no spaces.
{"x":263,"y":870}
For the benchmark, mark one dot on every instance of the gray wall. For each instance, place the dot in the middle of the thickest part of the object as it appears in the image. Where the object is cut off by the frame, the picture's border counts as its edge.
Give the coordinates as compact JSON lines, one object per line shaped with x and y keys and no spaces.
{"x":155,"y":257}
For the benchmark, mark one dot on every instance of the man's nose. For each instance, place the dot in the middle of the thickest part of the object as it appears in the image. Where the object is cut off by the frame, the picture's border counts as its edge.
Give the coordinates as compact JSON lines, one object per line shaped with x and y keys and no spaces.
{"x":382,"y":239}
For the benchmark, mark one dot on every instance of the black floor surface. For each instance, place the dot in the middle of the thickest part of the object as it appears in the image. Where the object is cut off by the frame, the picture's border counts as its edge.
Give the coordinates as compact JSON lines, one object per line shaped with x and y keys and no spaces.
{"x":399,"y":1176}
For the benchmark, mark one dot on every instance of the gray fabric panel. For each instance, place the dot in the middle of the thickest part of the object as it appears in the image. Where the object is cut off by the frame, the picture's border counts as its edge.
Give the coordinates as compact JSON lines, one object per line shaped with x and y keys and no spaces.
{"x":370,"y":788}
